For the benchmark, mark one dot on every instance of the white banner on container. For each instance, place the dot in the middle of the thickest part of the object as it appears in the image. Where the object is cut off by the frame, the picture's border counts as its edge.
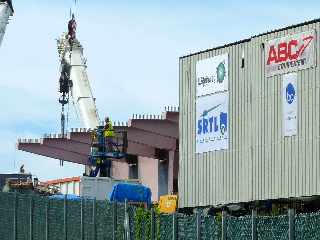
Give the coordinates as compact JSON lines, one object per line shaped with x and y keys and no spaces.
{"x":212,"y":75}
{"x":290,"y":53}
{"x":289,"y":104}
{"x":212,"y":123}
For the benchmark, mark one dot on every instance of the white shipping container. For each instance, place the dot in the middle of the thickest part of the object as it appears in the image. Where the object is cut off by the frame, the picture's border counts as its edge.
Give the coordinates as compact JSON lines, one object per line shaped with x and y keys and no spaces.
{"x":99,"y":187}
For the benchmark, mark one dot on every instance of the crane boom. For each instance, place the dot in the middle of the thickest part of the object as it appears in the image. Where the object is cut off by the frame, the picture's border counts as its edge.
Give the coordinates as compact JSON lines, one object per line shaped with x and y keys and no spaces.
{"x":74,"y":80}
{"x":81,"y":89}
{"x":6,"y":11}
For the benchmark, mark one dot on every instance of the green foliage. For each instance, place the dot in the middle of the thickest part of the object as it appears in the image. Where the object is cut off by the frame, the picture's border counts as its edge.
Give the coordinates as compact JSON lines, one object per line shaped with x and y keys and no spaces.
{"x":219,"y":216}
{"x":143,"y":221}
{"x":142,"y":224}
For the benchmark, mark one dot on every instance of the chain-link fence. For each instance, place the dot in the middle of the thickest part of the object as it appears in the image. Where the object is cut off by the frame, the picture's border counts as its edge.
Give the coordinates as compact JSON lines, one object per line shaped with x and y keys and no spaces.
{"x":239,"y":228}
{"x":210,"y":228}
{"x":307,"y":226}
{"x":276,"y":227}
{"x":31,"y":217}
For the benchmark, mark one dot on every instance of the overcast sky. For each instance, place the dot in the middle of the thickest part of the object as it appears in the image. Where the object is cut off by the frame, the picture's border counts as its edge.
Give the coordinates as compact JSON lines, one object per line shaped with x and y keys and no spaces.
{"x":133,"y":50}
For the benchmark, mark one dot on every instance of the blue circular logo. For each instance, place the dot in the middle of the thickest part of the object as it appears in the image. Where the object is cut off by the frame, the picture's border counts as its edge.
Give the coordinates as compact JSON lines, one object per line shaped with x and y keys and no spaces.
{"x":290,"y":93}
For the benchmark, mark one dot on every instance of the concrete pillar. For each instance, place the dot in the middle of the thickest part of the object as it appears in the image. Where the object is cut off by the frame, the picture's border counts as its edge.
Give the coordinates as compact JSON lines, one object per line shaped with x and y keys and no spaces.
{"x":120,"y":170}
{"x":171,"y":171}
{"x":149,"y":175}
{"x":173,"y":168}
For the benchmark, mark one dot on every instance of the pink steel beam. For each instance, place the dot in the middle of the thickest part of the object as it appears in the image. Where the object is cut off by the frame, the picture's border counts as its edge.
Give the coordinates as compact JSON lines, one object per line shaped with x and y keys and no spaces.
{"x":171,"y":116}
{"x":140,"y":150}
{"x":68,"y":145}
{"x":151,"y":139}
{"x":71,"y":150}
{"x":134,"y":146}
{"x":139,"y":135}
{"x":83,"y":137}
{"x":53,"y":152}
{"x":144,"y":135}
{"x":156,"y":126}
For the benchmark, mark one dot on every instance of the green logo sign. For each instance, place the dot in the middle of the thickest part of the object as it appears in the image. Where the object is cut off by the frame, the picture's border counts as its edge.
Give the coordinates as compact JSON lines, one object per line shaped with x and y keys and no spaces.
{"x":221,"y":72}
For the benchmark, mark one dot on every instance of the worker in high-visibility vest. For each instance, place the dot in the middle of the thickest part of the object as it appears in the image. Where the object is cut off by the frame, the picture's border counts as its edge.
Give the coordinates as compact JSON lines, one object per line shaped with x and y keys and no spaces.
{"x":108,"y":134}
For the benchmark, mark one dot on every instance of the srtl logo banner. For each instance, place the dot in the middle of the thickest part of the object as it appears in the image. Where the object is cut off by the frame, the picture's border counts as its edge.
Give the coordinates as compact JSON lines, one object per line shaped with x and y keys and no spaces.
{"x":290,"y":53}
{"x":212,"y":130}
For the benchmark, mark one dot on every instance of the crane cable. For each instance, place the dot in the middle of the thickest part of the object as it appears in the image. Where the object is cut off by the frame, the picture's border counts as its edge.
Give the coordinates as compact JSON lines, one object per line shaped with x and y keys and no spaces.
{"x":73,"y":7}
{"x":67,"y":122}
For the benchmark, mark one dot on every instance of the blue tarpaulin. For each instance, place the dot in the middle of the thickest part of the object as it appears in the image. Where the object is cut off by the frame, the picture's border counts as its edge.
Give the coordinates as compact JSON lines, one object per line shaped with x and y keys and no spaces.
{"x":131,"y":192}
{"x":68,"y":197}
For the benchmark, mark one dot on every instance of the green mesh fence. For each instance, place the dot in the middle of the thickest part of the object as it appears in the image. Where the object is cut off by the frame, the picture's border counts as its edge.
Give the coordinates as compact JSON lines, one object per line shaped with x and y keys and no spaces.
{"x":23,"y":216}
{"x":166,"y":227}
{"x":56,"y":229}
{"x":120,"y":222}
{"x":40,"y":206}
{"x":210,"y":228}
{"x":7,"y":206}
{"x":74,"y":220}
{"x":307,"y":226}
{"x":28,"y":216}
{"x":88,"y":219}
{"x":273,"y":228}
{"x":239,"y":228}
{"x":187,"y":227}
{"x":132,"y":216}
{"x":104,"y":221}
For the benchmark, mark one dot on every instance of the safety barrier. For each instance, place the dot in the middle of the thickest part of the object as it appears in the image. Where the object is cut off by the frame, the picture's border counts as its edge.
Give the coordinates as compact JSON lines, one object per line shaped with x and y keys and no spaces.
{"x":31,"y":217}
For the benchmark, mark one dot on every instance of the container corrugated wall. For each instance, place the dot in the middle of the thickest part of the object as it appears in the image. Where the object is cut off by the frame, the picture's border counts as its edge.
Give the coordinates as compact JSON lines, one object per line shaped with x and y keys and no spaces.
{"x":260,"y":163}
